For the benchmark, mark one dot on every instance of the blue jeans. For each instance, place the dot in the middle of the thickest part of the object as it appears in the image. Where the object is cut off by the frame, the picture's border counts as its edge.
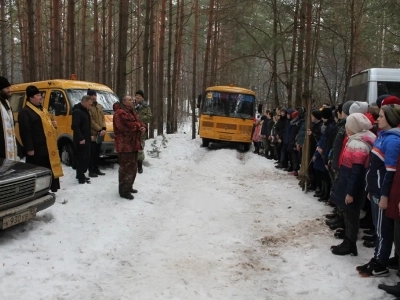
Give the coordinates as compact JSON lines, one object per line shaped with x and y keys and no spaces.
{"x":384,"y":228}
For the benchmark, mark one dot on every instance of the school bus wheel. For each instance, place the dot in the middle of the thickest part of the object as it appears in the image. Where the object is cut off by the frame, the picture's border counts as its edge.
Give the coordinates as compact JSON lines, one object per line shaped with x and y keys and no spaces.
{"x":205,"y":142}
{"x":247,"y":147}
{"x":67,"y":154}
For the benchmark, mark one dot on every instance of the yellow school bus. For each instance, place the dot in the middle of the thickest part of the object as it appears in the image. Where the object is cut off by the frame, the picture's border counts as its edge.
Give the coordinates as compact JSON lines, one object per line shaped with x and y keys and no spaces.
{"x":59,"y":97}
{"x":227,"y":114}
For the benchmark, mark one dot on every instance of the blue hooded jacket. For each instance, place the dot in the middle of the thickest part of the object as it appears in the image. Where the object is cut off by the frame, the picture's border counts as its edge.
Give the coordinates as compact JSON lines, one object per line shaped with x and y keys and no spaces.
{"x":383,"y":162}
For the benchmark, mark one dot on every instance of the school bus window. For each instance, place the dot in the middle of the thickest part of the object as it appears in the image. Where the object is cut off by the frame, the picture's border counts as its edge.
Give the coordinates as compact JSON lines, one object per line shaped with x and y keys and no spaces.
{"x":229,"y":105}
{"x":16,"y":101}
{"x":57,"y":104}
{"x":106,"y":99}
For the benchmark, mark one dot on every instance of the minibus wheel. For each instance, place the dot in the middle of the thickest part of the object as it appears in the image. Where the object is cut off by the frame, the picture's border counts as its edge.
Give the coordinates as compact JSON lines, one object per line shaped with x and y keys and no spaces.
{"x":247,"y":147}
{"x":67,"y":155}
{"x":205,"y":142}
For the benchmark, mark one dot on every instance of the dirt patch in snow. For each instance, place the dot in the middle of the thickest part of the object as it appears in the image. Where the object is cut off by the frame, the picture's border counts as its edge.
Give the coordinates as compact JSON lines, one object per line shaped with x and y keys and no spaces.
{"x":293,"y":234}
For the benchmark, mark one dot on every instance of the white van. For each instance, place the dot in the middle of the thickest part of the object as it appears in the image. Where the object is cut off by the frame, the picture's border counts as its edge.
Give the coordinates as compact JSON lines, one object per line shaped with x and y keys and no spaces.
{"x":369,"y":84}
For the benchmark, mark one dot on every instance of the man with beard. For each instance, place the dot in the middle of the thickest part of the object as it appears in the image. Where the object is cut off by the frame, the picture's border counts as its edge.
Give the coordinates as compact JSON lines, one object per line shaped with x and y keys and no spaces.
{"x":128,"y":130}
{"x":8,"y":145}
{"x":39,"y":135}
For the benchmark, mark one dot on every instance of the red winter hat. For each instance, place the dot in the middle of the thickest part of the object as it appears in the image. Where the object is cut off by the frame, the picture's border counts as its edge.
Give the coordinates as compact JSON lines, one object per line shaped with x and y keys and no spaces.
{"x":391,"y":100}
{"x":294,"y":114}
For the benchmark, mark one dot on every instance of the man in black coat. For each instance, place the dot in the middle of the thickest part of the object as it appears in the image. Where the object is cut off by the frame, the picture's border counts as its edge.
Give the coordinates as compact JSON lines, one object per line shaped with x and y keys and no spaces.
{"x":82,"y":137}
{"x":39,"y":148}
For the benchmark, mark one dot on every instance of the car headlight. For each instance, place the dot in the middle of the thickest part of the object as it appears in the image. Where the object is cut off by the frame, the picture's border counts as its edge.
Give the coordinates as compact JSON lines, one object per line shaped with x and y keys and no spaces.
{"x":42,"y":183}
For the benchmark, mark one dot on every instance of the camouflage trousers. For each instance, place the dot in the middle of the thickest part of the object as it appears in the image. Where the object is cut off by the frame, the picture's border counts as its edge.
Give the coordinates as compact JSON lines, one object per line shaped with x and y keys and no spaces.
{"x":127,"y":171}
{"x":141,"y":152}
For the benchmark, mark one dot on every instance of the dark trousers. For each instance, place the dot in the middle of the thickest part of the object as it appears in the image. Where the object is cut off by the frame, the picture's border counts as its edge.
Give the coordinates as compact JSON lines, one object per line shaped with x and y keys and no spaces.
{"x":284,"y":155}
{"x":44,"y":161}
{"x":127,"y":171}
{"x":95,"y":150}
{"x":82,"y":158}
{"x":352,"y":222}
{"x":384,"y":228}
{"x":397,"y":237}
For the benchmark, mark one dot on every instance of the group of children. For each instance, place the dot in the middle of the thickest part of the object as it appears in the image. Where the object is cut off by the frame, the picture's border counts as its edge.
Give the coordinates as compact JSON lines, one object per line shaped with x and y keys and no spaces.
{"x":353,"y":158}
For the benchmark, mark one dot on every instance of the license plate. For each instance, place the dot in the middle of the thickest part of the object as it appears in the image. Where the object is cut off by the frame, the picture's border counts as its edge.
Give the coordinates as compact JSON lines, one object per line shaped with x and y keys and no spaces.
{"x":19,"y":218}
{"x":225,"y":137}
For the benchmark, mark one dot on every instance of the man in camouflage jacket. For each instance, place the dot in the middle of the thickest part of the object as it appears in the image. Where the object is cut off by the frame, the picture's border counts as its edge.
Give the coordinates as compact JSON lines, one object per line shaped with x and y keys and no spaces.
{"x":127,"y":131}
{"x":143,"y":110}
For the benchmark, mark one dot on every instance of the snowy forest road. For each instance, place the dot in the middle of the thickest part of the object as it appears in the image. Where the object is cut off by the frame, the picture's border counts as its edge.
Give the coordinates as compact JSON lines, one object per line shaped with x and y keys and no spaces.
{"x":204,"y":225}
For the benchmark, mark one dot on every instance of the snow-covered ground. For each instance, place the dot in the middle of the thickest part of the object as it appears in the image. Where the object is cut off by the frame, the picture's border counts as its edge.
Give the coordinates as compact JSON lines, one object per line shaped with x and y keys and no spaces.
{"x":204,"y":225}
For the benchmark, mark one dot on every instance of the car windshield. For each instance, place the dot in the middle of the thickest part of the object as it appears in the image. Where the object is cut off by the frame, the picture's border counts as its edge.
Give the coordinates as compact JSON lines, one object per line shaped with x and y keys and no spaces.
{"x":106,"y":99}
{"x":229,"y":105}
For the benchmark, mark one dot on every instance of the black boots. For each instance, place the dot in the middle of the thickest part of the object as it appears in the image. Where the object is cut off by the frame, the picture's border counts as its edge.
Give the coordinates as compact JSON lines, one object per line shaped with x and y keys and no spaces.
{"x":393,"y":290}
{"x":140,"y":166}
{"x":345,"y":248}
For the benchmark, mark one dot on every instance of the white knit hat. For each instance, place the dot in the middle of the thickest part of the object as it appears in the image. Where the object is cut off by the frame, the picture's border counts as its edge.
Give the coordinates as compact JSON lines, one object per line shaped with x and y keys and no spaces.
{"x":359,"y":107}
{"x":358,"y":122}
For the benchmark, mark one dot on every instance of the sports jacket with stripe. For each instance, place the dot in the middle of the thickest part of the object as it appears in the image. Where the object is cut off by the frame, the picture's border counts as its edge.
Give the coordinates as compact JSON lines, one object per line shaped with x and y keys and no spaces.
{"x":383,"y":162}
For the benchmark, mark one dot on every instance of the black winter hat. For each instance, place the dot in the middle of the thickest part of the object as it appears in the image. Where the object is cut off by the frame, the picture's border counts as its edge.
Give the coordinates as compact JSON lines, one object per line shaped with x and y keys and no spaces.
{"x":31,"y":91}
{"x":326,"y":113}
{"x":380,"y":99}
{"x":140,"y":92}
{"x":316,"y":114}
{"x":91,"y":92}
{"x":4,"y":83}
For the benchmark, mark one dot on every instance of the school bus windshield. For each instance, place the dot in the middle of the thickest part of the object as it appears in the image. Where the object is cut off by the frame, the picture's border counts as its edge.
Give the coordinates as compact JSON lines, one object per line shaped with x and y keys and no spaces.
{"x":106,"y":99}
{"x":232,"y":105}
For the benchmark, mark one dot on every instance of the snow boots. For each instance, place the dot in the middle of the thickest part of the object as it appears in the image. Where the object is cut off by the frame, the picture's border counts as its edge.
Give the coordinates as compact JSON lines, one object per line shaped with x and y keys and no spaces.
{"x":345,"y":248}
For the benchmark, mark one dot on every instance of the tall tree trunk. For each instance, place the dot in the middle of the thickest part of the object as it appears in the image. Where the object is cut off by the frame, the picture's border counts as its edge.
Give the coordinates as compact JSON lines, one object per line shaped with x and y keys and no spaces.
{"x":195,"y":38}
{"x":139,"y":54}
{"x":83,"y":56}
{"x":104,"y":41}
{"x":110,"y":38}
{"x":160,"y":101}
{"x":169,"y":83}
{"x":146,"y":47}
{"x":96,"y":43}
{"x":300,"y":49}
{"x":31,"y":41}
{"x":39,"y":49}
{"x":275,"y":54}
{"x":3,"y":36}
{"x":23,"y":39}
{"x":70,"y":65}
{"x":12,"y":42}
{"x":151,"y":86}
{"x":293,"y":54}
{"x":122,"y":46}
{"x":208,"y":44}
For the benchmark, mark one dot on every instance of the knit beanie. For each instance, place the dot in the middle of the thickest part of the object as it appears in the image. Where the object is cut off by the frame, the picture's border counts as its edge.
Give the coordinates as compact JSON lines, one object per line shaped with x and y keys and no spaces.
{"x":140,"y":92}
{"x":359,"y":107}
{"x":4,"y":83}
{"x":91,"y":92}
{"x":390,"y":100}
{"x":346,"y":107}
{"x":358,"y":122}
{"x":392,"y":114}
{"x":316,"y":114}
{"x":326,"y":113}
{"x":31,"y":91}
